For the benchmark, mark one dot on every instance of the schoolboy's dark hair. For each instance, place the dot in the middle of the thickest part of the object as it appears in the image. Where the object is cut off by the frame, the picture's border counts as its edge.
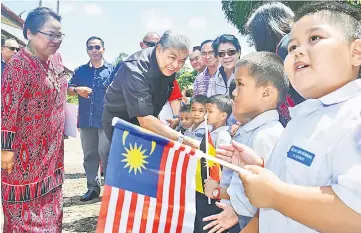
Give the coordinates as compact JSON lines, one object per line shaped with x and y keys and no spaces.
{"x":346,"y":17}
{"x":223,"y":103}
{"x":185,"y":108}
{"x":37,"y":18}
{"x":202,"y":99}
{"x":189,"y":92}
{"x":195,"y":48}
{"x":266,"y":68}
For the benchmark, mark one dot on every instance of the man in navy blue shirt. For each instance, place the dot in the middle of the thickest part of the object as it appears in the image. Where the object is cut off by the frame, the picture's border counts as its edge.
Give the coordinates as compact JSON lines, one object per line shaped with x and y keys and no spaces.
{"x":88,"y":84}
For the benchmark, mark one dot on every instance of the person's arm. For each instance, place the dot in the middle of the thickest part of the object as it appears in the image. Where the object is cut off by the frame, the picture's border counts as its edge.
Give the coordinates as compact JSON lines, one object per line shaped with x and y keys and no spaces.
{"x":153,"y":124}
{"x":253,"y":225}
{"x":138,"y":99}
{"x":13,"y":86}
{"x":223,"y":193}
{"x":318,"y":208}
{"x":74,"y":85}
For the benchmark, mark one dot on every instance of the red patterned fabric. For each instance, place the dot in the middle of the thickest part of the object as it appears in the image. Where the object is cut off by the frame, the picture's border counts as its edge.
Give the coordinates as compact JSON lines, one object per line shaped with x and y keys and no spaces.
{"x":44,"y":214}
{"x":32,"y":116}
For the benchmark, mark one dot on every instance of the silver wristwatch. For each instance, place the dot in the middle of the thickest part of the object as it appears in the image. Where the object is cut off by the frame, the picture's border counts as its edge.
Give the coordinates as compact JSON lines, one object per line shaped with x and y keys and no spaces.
{"x":181,"y":138}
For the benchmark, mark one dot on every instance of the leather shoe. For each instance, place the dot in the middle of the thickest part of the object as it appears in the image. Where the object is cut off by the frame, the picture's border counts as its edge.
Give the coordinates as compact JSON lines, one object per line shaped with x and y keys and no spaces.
{"x":89,"y":195}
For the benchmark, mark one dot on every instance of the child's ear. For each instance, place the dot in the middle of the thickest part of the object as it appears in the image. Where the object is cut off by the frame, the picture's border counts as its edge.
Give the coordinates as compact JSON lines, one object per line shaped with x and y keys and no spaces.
{"x":356,"y":53}
{"x":267,"y":93}
{"x":224,"y":116}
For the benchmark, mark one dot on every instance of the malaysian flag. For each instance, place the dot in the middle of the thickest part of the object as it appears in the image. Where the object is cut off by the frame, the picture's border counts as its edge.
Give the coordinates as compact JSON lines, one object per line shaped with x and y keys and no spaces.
{"x":150,"y":185}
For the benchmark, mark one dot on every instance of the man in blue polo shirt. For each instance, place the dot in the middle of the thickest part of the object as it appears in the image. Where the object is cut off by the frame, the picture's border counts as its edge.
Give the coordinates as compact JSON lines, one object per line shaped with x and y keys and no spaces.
{"x":88,"y":84}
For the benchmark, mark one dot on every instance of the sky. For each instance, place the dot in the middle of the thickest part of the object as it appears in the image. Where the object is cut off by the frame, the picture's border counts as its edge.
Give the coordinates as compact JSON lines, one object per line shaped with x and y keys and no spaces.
{"x":122,"y":24}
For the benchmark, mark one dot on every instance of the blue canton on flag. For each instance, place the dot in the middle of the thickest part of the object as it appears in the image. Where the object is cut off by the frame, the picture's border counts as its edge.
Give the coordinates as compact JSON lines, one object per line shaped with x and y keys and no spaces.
{"x":150,"y":184}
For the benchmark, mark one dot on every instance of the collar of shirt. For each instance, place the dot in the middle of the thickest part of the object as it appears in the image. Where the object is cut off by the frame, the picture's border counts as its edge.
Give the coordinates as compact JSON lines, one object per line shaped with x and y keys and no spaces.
{"x":154,"y":64}
{"x":340,"y":95}
{"x":201,"y":126}
{"x":263,"y":118}
{"x":220,"y":129}
{"x":103,"y":63}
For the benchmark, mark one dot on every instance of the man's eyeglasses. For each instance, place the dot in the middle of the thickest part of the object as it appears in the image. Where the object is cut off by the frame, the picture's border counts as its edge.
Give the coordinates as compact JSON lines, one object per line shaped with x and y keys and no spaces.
{"x":91,"y":47}
{"x":13,"y":48}
{"x":229,"y":52}
{"x":52,"y":36}
{"x":210,"y":53}
{"x":150,"y":43}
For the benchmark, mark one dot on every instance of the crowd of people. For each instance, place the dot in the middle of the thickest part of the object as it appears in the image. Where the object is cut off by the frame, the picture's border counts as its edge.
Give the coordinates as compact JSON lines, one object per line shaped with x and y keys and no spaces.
{"x":288,"y":113}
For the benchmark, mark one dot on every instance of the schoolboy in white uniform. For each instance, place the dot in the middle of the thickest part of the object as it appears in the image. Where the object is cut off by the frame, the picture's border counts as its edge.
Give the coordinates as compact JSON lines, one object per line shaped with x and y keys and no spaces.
{"x":313,"y":177}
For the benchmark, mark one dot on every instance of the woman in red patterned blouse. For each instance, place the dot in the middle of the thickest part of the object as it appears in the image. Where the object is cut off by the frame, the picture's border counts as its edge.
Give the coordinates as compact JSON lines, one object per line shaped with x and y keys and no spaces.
{"x":32,"y":127}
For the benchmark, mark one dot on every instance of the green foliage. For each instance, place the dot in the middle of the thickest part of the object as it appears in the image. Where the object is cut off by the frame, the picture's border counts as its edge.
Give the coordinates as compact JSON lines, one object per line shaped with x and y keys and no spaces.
{"x":238,"y":12}
{"x":120,"y":58}
{"x":72,"y":99}
{"x":186,"y":77}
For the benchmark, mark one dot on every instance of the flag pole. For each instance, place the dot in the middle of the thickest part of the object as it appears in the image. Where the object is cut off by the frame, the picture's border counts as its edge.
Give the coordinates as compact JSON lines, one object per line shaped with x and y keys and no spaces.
{"x":207,"y":147}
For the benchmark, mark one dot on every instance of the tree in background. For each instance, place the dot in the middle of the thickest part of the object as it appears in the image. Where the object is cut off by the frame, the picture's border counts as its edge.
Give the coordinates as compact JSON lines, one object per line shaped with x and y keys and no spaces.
{"x":237,"y":12}
{"x":186,"y":77}
{"x":120,"y":58}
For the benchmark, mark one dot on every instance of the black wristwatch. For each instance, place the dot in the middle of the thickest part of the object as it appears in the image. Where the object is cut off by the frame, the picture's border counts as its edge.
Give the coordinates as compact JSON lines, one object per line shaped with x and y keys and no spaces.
{"x":75,"y":91}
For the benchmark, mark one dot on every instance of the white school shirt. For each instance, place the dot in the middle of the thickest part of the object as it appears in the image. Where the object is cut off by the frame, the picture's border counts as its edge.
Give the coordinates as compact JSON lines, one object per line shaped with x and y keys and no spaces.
{"x":261,"y":134}
{"x":197,"y":133}
{"x":321,"y":146}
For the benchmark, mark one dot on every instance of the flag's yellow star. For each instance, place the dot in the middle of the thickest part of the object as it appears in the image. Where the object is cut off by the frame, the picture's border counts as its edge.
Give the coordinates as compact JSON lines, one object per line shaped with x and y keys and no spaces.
{"x":135,"y":158}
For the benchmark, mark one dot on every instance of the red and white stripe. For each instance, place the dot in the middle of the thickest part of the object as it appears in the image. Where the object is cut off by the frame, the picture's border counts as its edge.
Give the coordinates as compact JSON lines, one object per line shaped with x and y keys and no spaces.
{"x":172,"y":211}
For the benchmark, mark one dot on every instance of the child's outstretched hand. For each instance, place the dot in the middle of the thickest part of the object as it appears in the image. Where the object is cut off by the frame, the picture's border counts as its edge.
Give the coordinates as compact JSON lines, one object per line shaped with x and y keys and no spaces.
{"x":238,"y":154}
{"x":261,"y":186}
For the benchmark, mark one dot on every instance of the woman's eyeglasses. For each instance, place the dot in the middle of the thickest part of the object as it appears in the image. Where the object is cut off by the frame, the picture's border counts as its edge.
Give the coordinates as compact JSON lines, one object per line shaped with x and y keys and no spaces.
{"x":96,"y":47}
{"x":52,"y":36}
{"x":229,"y":52}
{"x":13,"y":48}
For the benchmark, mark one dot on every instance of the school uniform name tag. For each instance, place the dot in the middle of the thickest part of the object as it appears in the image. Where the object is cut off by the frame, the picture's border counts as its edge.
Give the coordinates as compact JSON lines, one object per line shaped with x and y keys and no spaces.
{"x":300,"y":155}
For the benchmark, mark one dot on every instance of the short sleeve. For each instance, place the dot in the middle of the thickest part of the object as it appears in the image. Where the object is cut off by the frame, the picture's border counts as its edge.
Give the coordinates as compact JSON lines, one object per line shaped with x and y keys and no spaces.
{"x":223,"y":138}
{"x":176,"y":93}
{"x":346,"y":168}
{"x":136,"y":91}
{"x":74,"y":81}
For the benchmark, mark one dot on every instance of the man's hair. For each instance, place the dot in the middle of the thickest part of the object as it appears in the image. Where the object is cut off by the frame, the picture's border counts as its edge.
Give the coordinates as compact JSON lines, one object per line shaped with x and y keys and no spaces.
{"x":94,"y":38}
{"x":226,"y":38}
{"x":268,"y":24}
{"x":342,"y":15}
{"x":174,"y":40}
{"x":189,"y":93}
{"x":266,"y":68}
{"x":223,"y":103}
{"x":197,"y":48}
{"x":201,"y":99}
{"x":206,"y":42}
{"x":37,"y":18}
{"x":185,"y":108}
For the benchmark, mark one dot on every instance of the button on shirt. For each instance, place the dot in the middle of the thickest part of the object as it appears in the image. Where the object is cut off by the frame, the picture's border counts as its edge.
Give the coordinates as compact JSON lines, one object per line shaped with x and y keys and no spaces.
{"x":321,"y":146}
{"x":217,"y":86}
{"x":91,"y":109}
{"x":261,"y":134}
{"x":138,"y":89}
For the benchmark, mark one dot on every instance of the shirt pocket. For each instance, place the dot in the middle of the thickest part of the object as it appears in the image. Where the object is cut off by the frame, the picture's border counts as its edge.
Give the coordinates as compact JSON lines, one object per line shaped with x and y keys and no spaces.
{"x":306,"y":163}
